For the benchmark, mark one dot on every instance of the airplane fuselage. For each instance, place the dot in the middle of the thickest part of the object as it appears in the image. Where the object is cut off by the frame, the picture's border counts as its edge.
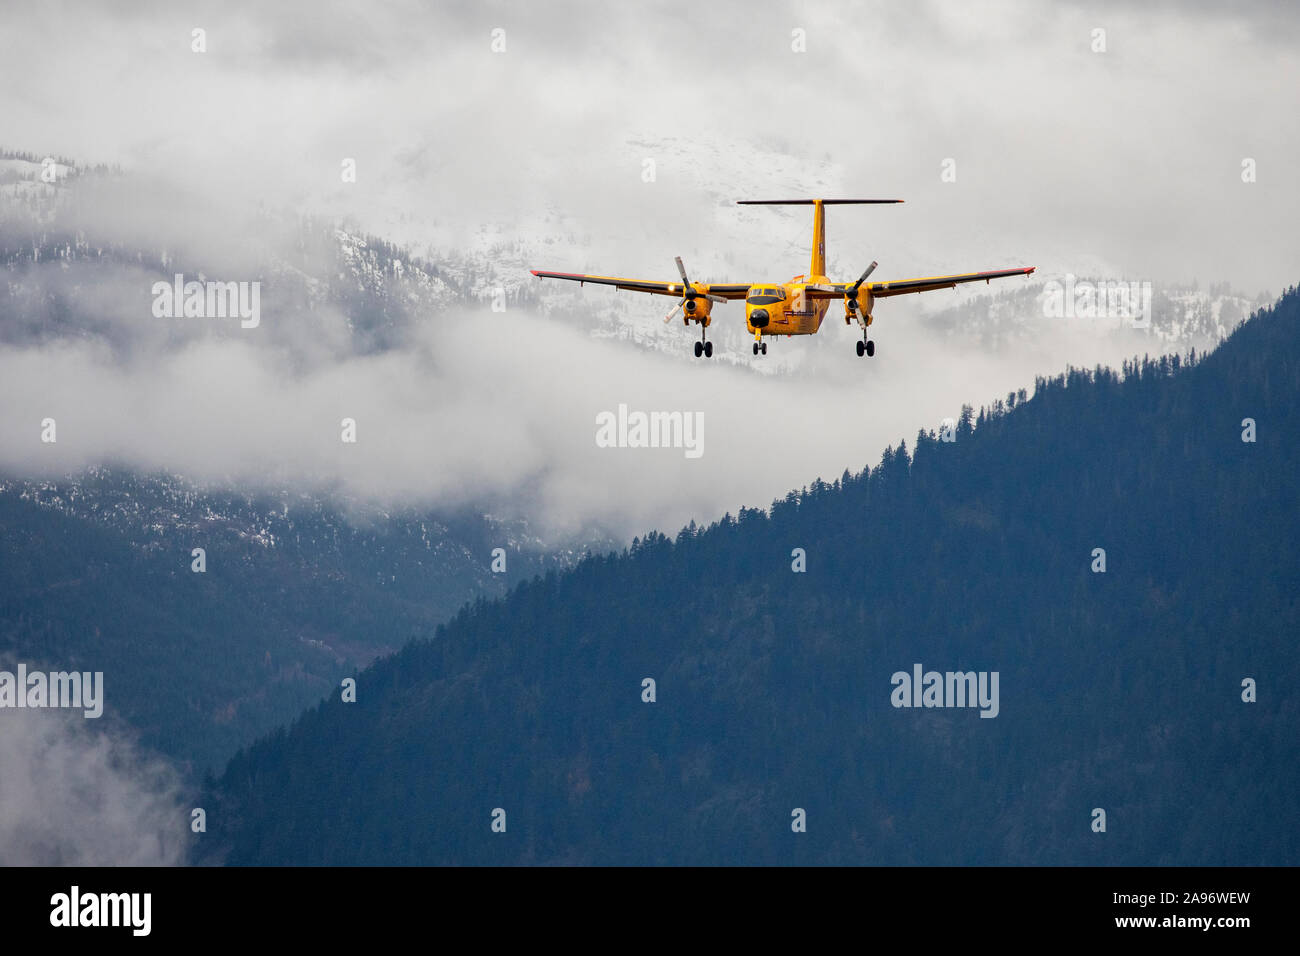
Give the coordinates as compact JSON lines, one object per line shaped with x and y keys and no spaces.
{"x":786,"y":309}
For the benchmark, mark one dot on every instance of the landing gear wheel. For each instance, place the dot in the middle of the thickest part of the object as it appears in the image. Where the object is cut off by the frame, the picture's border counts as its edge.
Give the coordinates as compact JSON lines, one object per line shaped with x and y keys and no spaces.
{"x":871,"y":348}
{"x":764,"y":350}
{"x":755,"y":348}
{"x":862,"y":347}
{"x":699,"y":349}
{"x":708,"y":350}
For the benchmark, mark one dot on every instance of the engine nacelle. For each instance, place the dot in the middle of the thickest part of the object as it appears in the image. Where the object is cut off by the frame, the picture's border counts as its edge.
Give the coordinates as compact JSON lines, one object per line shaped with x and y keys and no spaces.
{"x":864,"y":302}
{"x":698,"y":309}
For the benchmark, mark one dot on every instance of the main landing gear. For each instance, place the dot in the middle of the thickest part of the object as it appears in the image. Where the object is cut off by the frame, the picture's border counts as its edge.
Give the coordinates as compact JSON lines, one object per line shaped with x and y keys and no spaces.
{"x":852,"y":311}
{"x":703,"y":346}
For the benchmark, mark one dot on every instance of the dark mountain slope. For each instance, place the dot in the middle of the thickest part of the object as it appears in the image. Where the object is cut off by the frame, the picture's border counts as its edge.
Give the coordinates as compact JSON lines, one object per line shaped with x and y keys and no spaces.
{"x":298,"y":591}
{"x":1119,"y":690}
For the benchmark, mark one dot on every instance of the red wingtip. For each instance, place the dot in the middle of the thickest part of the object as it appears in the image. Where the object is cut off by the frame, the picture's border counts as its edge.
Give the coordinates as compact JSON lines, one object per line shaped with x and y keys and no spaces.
{"x":533,"y":271}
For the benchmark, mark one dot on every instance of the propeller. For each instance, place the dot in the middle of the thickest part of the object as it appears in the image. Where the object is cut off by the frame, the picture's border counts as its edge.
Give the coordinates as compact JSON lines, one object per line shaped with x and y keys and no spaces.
{"x":851,"y":293}
{"x":688,"y":293}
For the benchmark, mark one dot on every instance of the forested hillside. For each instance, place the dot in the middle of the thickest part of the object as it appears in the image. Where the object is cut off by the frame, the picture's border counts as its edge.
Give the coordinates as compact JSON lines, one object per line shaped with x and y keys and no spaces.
{"x":297,"y":590}
{"x":1120,"y":690}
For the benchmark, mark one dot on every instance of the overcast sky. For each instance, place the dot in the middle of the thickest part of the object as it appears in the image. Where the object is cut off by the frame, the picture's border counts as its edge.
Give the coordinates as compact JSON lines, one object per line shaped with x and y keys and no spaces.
{"x":1132,"y":156}
{"x":1129,"y":157}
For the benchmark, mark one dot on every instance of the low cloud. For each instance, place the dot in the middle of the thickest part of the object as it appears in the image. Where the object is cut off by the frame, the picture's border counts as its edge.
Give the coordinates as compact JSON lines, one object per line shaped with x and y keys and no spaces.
{"x":499,"y":411}
{"x":75,"y":792}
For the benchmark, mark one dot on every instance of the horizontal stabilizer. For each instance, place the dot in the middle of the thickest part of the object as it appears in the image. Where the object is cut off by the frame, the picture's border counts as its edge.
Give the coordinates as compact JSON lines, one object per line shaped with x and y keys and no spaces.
{"x":809,"y":202}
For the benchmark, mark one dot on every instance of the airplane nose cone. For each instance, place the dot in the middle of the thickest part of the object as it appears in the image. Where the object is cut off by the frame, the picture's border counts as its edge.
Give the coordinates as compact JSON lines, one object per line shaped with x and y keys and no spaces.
{"x":758,"y":318}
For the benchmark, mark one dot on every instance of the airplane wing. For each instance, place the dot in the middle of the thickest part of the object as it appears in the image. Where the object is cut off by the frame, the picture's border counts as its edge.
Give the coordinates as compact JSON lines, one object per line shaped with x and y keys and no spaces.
{"x":881,"y":290}
{"x":729,"y":291}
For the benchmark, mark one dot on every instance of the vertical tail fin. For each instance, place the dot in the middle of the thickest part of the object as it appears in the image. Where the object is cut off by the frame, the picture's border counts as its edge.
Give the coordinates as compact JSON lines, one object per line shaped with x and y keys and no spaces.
{"x":818,"y":264}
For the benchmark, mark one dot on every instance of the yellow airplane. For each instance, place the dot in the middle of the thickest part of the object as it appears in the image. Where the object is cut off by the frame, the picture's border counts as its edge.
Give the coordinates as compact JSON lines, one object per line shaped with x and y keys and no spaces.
{"x":796,"y":307}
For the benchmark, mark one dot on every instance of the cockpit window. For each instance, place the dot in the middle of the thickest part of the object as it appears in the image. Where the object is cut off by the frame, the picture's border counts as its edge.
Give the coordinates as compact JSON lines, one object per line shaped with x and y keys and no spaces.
{"x":765,"y":296}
